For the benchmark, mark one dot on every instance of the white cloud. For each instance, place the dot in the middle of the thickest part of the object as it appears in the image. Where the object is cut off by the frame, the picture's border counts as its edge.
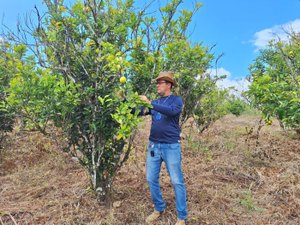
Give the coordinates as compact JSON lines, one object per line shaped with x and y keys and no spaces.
{"x":219,"y":72}
{"x":240,"y":85}
{"x":262,"y":38}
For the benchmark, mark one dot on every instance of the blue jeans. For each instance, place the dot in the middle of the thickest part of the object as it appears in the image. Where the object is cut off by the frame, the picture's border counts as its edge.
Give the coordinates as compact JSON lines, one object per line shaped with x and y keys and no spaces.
{"x":171,"y":155}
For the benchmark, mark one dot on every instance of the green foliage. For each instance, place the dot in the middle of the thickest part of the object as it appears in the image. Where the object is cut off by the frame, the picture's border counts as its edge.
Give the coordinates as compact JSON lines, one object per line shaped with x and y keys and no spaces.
{"x":7,"y":115}
{"x":162,"y":46}
{"x":212,"y":107}
{"x":81,"y":52}
{"x":236,"y":106}
{"x":6,"y":119}
{"x":215,"y":104}
{"x":37,"y":95}
{"x":165,"y":47}
{"x":275,"y":82}
{"x":248,"y":202}
{"x":126,"y":115}
{"x":190,"y":66}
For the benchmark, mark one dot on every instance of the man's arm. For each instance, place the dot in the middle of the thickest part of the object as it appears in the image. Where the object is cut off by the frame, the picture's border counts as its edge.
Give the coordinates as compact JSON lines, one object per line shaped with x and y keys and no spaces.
{"x":169,"y":110}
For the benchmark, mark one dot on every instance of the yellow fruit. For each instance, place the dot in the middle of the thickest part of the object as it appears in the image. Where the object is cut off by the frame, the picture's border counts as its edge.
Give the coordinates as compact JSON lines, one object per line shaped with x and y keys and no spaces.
{"x":123,"y":79}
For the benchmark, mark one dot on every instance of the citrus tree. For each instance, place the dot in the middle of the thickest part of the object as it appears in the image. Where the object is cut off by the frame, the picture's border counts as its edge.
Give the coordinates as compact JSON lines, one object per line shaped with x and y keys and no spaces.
{"x":212,"y":107}
{"x":36,"y":95}
{"x":162,"y":44}
{"x":6,"y":113}
{"x":190,"y":66}
{"x":76,"y":70}
{"x":275,"y":82}
{"x":73,"y":79}
{"x":236,"y":105}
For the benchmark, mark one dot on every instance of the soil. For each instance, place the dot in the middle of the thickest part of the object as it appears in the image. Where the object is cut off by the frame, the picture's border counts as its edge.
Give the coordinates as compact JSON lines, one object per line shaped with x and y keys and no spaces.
{"x":234,"y":174}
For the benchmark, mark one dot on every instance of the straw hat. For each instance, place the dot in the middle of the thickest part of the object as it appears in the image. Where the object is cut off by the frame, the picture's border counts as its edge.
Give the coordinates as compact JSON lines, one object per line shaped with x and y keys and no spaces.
{"x":167,"y":76}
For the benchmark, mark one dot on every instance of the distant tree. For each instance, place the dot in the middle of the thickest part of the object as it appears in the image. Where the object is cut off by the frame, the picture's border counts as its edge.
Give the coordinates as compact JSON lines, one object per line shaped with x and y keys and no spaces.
{"x":236,"y":105}
{"x":212,"y":107}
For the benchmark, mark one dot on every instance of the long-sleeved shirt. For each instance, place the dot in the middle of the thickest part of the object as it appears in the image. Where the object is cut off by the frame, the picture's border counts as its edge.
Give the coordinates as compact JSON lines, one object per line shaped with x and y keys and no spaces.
{"x":165,"y":119}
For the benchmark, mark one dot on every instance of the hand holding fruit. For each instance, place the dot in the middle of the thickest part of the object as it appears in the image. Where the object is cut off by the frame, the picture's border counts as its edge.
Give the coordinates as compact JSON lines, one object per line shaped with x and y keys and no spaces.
{"x":144,"y":98}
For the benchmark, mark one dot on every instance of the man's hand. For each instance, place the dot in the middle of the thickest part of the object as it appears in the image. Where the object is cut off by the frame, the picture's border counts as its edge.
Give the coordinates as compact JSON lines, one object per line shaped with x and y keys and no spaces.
{"x":144,"y":98}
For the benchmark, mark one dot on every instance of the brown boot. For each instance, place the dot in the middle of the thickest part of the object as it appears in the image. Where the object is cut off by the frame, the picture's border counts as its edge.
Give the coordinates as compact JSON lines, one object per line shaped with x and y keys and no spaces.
{"x":153,"y":217}
{"x":180,"y":222}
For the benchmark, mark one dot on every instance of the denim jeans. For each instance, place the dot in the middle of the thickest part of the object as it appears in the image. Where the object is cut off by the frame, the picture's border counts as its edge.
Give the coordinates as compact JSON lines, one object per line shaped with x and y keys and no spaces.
{"x":171,"y":155}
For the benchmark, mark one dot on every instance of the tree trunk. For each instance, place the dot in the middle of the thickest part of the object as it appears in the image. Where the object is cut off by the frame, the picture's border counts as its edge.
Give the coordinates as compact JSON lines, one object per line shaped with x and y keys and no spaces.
{"x":101,"y":184}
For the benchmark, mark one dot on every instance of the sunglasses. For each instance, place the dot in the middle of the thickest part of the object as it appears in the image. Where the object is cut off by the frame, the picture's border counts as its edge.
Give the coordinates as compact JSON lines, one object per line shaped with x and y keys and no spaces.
{"x":161,"y":82}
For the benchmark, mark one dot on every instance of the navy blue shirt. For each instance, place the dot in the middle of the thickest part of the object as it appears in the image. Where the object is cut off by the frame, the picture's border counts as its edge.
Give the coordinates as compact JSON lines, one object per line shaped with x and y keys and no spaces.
{"x":165,"y":119}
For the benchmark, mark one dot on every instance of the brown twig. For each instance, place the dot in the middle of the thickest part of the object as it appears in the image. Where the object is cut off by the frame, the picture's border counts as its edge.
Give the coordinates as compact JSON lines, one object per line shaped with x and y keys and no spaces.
{"x":12,"y":218}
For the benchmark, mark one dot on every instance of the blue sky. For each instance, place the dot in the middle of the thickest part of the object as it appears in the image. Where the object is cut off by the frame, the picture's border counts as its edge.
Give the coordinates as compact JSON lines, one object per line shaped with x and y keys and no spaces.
{"x":238,"y":27}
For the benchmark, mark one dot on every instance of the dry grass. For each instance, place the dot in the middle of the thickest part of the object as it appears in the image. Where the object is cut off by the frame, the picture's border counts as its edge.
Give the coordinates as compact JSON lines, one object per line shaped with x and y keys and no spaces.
{"x":232,"y":177}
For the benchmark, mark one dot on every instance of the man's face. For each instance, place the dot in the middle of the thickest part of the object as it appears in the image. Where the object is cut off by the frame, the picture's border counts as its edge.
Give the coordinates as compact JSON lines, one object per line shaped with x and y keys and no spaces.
{"x":162,"y":87}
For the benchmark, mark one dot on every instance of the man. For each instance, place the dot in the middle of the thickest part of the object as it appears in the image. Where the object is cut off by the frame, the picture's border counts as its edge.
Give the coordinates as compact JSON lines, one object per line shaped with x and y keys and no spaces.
{"x":164,"y":145}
